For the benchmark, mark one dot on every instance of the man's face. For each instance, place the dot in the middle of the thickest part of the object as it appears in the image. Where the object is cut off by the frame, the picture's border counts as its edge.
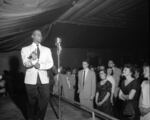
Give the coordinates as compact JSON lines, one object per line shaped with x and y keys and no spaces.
{"x":110,"y":63}
{"x":146,"y":72}
{"x":37,"y":36}
{"x":85,"y":64}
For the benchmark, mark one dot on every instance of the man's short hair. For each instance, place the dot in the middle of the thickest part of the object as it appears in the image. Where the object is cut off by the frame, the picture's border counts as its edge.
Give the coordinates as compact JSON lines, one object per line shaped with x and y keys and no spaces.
{"x":110,"y":60}
{"x":37,"y":30}
{"x":85,"y":60}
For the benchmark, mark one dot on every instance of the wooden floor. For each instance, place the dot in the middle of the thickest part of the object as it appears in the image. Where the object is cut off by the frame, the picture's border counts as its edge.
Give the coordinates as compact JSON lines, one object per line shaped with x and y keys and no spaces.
{"x":9,"y":111}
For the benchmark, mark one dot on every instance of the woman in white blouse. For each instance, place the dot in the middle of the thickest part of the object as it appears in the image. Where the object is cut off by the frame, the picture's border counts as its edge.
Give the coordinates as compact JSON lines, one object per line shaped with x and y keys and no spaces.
{"x":144,"y":103}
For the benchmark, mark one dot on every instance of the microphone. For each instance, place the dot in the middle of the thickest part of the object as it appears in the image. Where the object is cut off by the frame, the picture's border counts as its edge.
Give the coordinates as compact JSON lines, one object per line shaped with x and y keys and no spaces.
{"x":58,"y":41}
{"x":58,"y":44}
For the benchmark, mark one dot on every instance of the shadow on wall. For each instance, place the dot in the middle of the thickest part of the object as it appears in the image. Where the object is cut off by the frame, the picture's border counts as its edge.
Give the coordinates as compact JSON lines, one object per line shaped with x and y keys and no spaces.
{"x":15,"y":84}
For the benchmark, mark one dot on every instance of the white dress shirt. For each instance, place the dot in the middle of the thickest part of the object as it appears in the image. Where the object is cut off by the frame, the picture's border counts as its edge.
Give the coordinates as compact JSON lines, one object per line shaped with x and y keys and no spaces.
{"x":68,"y":82}
{"x":86,"y":72}
{"x":45,"y":60}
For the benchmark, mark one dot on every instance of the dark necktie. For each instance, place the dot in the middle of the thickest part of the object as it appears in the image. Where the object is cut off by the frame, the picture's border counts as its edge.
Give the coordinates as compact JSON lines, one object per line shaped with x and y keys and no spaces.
{"x":83,"y":77}
{"x":38,"y":55}
{"x":38,"y":51}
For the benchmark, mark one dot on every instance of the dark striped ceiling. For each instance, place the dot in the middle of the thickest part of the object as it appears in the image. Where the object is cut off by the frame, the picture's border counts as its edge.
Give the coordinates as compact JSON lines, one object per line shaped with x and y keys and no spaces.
{"x":19,"y":17}
{"x":111,"y":13}
{"x":22,"y":15}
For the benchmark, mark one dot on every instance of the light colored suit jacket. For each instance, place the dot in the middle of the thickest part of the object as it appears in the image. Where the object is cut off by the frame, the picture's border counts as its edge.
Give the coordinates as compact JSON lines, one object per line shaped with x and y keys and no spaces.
{"x":116,"y":76}
{"x":88,"y":90}
{"x":45,"y":61}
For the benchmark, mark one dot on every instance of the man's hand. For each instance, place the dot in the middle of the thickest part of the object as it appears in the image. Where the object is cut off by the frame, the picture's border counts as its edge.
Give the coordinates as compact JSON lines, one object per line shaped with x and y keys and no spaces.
{"x":37,"y":65}
{"x":33,"y":56}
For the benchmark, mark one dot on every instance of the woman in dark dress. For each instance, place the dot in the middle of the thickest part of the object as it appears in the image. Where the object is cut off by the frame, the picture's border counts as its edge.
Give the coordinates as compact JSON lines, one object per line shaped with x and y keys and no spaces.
{"x":129,"y":94}
{"x":103,"y":94}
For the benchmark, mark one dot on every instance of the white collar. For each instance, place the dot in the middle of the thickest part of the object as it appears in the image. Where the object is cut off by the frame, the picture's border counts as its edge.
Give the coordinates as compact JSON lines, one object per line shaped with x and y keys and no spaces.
{"x":35,"y":45}
{"x":86,"y":70}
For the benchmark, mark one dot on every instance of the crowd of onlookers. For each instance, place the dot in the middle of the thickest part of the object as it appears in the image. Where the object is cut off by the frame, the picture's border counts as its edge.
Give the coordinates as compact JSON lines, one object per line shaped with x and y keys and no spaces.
{"x":121,"y":92}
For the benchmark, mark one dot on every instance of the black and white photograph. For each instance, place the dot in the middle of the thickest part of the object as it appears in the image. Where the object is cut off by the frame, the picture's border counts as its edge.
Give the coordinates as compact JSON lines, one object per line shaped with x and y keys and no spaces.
{"x":74,"y":60}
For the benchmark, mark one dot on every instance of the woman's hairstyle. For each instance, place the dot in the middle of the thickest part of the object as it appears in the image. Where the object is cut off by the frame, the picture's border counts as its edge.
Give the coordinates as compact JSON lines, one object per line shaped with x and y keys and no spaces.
{"x":103,"y":70}
{"x":131,"y":68}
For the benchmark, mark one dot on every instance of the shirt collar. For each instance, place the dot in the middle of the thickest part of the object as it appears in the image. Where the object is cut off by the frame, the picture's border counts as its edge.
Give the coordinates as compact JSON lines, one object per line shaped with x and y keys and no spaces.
{"x":35,"y":45}
{"x":86,"y":70}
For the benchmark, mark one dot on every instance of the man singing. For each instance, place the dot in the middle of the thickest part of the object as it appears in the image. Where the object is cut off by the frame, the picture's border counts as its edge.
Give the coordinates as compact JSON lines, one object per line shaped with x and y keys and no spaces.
{"x":37,"y":59}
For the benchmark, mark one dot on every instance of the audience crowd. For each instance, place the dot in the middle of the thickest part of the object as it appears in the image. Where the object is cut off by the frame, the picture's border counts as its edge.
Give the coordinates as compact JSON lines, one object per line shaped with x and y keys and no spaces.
{"x":120,"y":92}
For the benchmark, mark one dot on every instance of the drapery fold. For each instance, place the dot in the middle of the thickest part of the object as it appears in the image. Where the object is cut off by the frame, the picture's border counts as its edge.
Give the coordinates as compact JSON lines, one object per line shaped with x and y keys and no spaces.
{"x":18,"y":18}
{"x":17,"y":22}
{"x":108,"y":13}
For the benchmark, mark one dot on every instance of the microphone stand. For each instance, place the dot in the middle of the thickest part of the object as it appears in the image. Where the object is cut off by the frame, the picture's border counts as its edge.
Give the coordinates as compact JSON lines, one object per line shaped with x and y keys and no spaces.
{"x":58,"y":70}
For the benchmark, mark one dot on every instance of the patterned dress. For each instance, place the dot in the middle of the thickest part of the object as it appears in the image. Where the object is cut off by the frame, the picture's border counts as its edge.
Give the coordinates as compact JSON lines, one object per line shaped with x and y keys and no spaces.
{"x":106,"y":107}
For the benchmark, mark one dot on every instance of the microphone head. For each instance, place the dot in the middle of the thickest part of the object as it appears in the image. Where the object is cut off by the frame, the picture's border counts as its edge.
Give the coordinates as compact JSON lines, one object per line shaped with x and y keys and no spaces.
{"x":58,"y":40}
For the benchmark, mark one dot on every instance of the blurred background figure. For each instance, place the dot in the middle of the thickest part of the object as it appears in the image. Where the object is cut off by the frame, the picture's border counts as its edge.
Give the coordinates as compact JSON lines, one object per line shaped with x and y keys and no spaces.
{"x":144,"y":103}
{"x":75,"y":77}
{"x":67,"y":83}
{"x":57,"y":79}
{"x":112,"y":81}
{"x":101,"y":67}
{"x":116,"y":76}
{"x":137,"y":74}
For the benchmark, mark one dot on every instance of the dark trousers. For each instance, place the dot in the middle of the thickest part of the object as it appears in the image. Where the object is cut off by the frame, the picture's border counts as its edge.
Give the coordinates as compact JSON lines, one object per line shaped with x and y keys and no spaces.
{"x":38,"y":96}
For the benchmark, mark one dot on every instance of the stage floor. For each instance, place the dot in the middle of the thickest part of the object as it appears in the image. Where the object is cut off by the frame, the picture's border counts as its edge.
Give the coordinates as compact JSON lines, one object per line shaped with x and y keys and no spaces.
{"x":9,"y":111}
